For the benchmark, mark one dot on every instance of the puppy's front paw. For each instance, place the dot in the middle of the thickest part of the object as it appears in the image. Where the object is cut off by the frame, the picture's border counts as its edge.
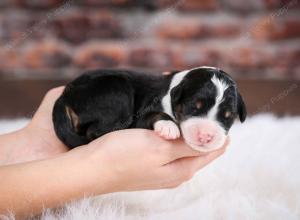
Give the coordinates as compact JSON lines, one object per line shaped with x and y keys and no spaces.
{"x":167,"y":129}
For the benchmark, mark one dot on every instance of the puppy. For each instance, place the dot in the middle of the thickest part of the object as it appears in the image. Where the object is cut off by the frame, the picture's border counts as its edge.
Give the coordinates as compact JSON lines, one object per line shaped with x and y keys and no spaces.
{"x":200,"y":104}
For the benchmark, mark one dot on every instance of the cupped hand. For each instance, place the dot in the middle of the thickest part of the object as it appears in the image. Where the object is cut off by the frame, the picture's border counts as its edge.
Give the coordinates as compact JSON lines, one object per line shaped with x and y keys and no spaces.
{"x":138,"y":159}
{"x":38,"y":139}
{"x":45,"y":141}
{"x":125,"y":160}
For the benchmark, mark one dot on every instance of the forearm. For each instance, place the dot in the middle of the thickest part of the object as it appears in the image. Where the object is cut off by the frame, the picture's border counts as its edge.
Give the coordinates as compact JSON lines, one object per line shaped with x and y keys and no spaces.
{"x":28,"y":145}
{"x":12,"y":147}
{"x":29,"y":187}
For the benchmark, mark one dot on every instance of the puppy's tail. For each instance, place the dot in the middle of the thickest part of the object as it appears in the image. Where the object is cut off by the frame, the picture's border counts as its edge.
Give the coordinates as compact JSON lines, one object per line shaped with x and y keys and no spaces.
{"x":63,"y":126}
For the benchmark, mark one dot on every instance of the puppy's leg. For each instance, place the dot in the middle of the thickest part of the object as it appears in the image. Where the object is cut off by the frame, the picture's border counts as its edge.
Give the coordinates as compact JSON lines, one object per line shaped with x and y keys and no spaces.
{"x":167,"y":129}
{"x":161,"y":123}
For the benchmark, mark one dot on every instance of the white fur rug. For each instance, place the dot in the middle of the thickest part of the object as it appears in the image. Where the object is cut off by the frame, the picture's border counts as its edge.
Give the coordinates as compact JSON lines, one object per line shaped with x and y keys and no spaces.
{"x":257,"y":178}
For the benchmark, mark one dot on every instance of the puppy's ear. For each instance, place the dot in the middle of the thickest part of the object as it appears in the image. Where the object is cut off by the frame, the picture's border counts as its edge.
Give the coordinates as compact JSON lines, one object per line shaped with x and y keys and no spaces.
{"x":241,"y":108}
{"x":176,"y":94}
{"x":73,"y":117}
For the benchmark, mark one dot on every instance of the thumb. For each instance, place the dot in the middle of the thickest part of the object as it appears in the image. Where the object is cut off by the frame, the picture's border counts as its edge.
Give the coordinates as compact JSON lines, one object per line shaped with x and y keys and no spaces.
{"x":190,"y":165}
{"x":48,"y":101}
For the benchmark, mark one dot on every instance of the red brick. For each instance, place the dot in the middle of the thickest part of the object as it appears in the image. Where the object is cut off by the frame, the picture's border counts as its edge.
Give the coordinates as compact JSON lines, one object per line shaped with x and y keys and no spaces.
{"x":97,"y":55}
{"x":196,"y":5}
{"x":98,"y":3}
{"x":224,"y":30}
{"x":105,"y":25}
{"x":77,"y":26}
{"x":44,"y":4}
{"x":152,"y":5}
{"x":182,"y":30}
{"x":275,"y":29}
{"x":9,"y":59}
{"x":261,"y":29}
{"x":148,"y":5}
{"x":243,"y":6}
{"x":150,"y":57}
{"x":16,"y":24}
{"x":158,"y":4}
{"x":288,"y":57}
{"x":73,"y":27}
{"x":185,"y":38}
{"x":166,"y":4}
{"x":281,"y":4}
{"x":193,"y":29}
{"x":46,"y":54}
{"x":247,"y":57}
{"x":198,"y":55}
{"x":287,"y":30}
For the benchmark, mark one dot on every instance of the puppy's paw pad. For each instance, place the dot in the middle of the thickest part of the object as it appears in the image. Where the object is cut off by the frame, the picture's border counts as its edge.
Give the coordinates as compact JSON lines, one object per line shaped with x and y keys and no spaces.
{"x":167,"y":129}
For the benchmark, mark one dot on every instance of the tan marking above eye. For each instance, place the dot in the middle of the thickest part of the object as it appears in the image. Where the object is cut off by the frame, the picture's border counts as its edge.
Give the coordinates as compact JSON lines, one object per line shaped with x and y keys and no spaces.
{"x":199,"y":104}
{"x":227,"y":114}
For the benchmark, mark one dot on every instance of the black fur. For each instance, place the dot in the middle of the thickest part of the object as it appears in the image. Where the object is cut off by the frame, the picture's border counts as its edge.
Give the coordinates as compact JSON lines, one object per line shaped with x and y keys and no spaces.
{"x":102,"y":101}
{"x":197,"y":86}
{"x":108,"y":100}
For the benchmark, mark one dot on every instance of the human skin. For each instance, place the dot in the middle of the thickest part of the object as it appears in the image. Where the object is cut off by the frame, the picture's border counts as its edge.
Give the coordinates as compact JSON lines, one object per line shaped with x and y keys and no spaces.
{"x":37,"y":171}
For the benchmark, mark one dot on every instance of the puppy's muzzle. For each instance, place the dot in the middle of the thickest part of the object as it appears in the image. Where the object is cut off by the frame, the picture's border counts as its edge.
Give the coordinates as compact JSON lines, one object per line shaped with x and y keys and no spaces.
{"x":203,"y":134}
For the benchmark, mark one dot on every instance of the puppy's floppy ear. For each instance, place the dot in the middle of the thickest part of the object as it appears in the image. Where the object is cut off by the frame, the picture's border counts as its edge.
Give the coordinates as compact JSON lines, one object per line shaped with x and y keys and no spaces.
{"x":176,"y":94}
{"x":73,"y":117}
{"x":241,"y":108}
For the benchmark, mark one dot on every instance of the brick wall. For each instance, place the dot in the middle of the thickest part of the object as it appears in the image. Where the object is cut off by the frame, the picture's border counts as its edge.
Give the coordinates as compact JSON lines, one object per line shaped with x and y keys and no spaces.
{"x":51,"y":38}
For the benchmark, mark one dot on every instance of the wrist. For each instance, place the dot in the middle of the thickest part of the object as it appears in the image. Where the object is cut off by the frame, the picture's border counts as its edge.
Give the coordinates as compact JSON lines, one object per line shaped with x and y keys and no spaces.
{"x":28,"y":144}
{"x":13,"y":146}
{"x":98,"y":173}
{"x":54,"y":181}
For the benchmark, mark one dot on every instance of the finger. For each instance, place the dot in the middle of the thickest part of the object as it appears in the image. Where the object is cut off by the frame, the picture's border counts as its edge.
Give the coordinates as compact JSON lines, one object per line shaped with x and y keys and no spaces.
{"x":52,"y":95}
{"x":179,"y":149}
{"x":176,"y":149}
{"x":197,"y":162}
{"x":50,"y":98}
{"x":44,"y":111}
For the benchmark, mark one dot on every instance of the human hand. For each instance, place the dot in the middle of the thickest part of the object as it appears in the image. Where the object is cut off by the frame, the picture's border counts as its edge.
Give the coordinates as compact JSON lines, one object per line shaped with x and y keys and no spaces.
{"x":138,"y":159}
{"x":44,"y":140}
{"x":38,"y":139}
{"x":126,"y":160}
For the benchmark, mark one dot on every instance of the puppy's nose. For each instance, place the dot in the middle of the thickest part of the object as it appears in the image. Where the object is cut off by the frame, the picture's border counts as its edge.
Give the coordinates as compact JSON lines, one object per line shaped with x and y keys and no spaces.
{"x":205,"y":138}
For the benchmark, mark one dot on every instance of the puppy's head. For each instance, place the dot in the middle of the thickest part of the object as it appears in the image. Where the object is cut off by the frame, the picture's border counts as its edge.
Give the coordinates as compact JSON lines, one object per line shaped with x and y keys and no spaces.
{"x":205,"y":101}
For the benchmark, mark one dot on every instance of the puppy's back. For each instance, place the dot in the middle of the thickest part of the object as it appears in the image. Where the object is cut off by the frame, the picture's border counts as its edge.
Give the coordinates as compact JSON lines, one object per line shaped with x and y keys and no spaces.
{"x":92,"y":105}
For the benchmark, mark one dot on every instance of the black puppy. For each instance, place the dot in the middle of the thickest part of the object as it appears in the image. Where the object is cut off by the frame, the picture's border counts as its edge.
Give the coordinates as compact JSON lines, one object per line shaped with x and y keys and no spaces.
{"x":200,"y":103}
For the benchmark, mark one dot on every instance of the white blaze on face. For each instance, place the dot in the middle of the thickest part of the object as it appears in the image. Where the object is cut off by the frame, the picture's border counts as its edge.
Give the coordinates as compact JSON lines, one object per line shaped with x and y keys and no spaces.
{"x":205,"y":133}
{"x":221,"y":86}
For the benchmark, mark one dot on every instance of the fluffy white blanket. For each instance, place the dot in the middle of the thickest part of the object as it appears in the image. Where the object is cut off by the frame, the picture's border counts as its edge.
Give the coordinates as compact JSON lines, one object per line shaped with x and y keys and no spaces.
{"x":257,"y":178}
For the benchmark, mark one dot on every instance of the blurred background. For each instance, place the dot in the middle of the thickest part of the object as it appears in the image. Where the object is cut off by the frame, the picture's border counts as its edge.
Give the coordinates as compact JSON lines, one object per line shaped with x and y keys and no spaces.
{"x":46,"y":43}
